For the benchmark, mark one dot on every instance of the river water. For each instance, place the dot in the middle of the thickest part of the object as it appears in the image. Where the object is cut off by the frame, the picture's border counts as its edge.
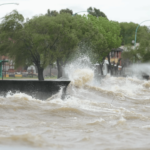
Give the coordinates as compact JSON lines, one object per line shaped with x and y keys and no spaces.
{"x":113,"y":114}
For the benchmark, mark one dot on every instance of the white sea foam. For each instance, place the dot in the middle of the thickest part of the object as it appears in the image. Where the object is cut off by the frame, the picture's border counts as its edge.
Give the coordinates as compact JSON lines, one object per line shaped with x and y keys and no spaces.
{"x":92,"y":116}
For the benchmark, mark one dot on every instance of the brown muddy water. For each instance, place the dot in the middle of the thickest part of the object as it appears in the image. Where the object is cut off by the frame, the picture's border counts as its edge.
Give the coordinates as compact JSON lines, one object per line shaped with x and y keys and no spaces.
{"x":113,"y":115}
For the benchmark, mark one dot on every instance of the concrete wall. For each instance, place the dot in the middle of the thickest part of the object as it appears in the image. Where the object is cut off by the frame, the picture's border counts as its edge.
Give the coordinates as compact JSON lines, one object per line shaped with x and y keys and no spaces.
{"x":38,"y":89}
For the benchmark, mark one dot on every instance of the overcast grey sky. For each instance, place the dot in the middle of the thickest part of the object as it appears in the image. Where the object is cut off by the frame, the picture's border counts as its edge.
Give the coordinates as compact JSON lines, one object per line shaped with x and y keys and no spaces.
{"x":117,"y":10}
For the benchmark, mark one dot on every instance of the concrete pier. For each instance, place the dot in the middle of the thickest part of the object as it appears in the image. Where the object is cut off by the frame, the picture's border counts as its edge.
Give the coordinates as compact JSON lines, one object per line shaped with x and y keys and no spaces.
{"x":38,"y":89}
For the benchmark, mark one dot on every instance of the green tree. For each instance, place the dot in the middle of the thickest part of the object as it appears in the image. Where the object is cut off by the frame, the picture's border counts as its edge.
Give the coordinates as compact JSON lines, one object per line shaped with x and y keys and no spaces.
{"x":66,"y":11}
{"x":131,"y":53}
{"x":10,"y":25}
{"x":96,"y":12}
{"x":43,"y":39}
{"x":78,"y":27}
{"x":28,"y":44}
{"x":143,"y":51}
{"x":108,"y":37}
{"x":51,"y":13}
{"x":128,"y":32}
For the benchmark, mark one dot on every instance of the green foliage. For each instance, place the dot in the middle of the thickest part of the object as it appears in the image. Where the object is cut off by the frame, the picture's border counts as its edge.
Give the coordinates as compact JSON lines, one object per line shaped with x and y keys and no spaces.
{"x":140,"y":53}
{"x":53,"y":37}
{"x":51,"y":13}
{"x":144,"y":49}
{"x":107,"y":37}
{"x":96,"y":12}
{"x":77,"y":30}
{"x":130,"y":54}
{"x":66,"y":11}
{"x":128,"y":32}
{"x":43,"y":39}
{"x":11,"y":24}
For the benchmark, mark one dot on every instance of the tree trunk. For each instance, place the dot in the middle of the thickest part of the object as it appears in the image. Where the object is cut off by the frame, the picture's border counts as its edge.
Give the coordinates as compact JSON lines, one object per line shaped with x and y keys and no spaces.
{"x":40,"y":74}
{"x":109,"y":66}
{"x":50,"y":70}
{"x":101,"y":68}
{"x":59,"y":69}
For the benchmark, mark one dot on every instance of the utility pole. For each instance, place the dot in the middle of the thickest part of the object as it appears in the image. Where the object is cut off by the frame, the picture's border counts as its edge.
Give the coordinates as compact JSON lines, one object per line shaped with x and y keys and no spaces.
{"x":136,"y":32}
{"x":9,"y":3}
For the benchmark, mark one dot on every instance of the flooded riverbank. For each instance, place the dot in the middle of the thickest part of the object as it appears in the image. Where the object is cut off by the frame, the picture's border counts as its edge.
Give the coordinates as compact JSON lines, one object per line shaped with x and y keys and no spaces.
{"x":112,"y":114}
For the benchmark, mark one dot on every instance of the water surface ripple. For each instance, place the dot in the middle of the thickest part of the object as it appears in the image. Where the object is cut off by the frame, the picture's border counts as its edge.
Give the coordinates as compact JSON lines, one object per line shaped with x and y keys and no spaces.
{"x":114,"y":114}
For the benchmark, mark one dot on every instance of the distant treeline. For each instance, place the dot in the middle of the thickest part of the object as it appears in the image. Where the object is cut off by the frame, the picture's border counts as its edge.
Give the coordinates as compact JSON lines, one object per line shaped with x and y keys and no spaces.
{"x":58,"y":36}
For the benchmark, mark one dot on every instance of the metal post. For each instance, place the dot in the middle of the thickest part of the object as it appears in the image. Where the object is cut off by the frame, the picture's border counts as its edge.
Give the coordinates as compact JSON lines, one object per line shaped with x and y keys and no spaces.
{"x":136,"y":32}
{"x":2,"y":69}
{"x":9,"y":3}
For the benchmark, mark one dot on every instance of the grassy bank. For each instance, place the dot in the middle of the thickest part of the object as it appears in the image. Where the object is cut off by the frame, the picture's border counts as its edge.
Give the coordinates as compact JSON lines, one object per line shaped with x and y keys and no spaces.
{"x":27,"y":78}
